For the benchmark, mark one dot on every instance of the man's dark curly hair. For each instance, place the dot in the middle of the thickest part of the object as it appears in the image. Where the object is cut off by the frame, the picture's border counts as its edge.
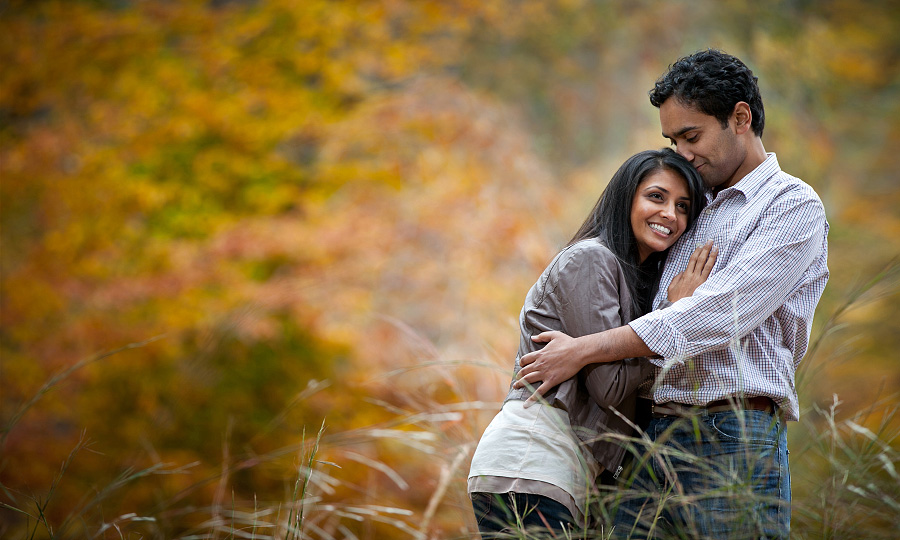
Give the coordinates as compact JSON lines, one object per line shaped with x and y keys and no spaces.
{"x":713,"y":82}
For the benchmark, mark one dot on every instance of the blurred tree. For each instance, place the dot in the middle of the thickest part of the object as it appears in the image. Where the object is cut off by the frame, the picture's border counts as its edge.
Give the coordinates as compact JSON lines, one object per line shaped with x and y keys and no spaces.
{"x":299,"y":192}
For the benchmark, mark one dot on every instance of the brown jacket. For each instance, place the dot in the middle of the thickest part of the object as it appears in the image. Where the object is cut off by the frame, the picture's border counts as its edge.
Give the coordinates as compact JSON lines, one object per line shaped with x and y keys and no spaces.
{"x":583,"y":292}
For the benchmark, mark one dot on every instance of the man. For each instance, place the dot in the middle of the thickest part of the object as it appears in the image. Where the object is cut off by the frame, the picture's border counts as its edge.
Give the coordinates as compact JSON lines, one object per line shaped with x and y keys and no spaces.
{"x":725,"y":380}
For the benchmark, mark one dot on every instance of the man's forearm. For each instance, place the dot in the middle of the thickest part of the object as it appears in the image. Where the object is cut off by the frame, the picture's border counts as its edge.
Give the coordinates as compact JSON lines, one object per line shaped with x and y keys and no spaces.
{"x":564,"y":356}
{"x":613,"y":345}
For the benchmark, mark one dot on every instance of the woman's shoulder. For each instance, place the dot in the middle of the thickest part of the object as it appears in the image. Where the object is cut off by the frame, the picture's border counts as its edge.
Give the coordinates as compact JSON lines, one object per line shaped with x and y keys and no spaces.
{"x":589,"y":257}
{"x":589,"y":249}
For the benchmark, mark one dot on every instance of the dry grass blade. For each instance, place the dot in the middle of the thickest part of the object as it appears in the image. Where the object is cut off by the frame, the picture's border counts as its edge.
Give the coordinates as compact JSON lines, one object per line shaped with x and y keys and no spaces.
{"x":61,"y":376}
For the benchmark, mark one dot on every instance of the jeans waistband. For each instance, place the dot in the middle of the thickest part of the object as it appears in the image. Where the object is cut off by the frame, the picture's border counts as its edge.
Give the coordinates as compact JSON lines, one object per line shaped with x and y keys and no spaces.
{"x":671,"y":408}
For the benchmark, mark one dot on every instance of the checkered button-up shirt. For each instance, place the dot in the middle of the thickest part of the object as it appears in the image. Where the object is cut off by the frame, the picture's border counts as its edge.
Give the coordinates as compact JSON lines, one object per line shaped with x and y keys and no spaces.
{"x":745,"y":330}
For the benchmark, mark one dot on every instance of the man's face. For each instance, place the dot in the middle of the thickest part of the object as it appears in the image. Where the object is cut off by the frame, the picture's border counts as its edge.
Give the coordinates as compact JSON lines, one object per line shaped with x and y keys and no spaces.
{"x":715,"y":152}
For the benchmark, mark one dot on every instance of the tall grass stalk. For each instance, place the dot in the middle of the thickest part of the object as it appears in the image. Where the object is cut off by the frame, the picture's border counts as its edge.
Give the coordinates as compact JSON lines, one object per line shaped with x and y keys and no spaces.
{"x":59,"y":377}
{"x":40,"y":515}
{"x":295,"y":525}
{"x":845,"y":469}
{"x":851,"y":481}
{"x":885,"y":280}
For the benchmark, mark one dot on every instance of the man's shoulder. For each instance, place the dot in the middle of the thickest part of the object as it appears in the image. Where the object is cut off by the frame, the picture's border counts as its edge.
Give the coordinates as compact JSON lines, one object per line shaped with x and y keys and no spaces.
{"x":770,"y":181}
{"x":792,"y":190}
{"x":790,"y":182}
{"x":782,"y":190}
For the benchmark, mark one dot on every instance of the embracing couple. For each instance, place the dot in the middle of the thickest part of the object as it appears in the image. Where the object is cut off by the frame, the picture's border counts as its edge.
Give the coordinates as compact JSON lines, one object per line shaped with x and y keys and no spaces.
{"x":655,"y":370}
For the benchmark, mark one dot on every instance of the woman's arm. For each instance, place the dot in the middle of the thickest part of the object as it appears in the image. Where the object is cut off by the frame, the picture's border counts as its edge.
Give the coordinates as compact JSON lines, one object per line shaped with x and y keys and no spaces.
{"x":591,"y":289}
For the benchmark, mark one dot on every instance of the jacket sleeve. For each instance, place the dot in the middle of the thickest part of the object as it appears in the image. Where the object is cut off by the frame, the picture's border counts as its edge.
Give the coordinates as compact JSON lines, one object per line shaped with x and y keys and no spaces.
{"x":589,"y":296}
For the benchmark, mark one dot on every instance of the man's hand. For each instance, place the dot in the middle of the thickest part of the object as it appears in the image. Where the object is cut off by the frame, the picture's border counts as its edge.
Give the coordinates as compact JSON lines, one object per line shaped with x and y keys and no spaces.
{"x":698,"y":268}
{"x":564,"y":356}
{"x":558,"y":361}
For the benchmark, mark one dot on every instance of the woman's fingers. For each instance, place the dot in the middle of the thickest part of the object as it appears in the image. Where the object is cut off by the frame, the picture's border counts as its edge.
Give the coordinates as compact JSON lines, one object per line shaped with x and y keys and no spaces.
{"x":699,"y":258}
{"x":710,"y":262}
{"x":698,"y":269}
{"x":692,"y":262}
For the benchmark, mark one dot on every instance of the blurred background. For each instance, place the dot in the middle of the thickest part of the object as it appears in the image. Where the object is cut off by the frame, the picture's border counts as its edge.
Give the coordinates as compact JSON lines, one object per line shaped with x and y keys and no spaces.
{"x":264,"y":258}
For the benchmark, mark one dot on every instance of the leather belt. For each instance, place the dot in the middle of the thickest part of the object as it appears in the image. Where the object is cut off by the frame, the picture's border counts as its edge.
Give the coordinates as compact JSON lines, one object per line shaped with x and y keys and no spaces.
{"x":671,"y":408}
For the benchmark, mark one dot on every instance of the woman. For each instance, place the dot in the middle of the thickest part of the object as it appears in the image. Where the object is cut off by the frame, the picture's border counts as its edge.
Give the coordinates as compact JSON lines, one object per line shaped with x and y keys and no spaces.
{"x":534,"y":466}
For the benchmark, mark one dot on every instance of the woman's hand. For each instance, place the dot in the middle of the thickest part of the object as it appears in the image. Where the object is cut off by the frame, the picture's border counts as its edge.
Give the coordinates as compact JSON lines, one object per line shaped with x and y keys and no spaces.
{"x":699,"y":266}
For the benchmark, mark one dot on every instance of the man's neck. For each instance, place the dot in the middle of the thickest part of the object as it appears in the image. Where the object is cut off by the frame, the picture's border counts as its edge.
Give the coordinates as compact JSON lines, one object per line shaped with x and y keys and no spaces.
{"x":756,"y":154}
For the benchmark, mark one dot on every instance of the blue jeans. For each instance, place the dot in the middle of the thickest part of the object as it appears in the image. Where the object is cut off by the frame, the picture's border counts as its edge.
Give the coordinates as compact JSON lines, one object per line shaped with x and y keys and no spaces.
{"x":723,"y":475}
{"x":499,"y":515}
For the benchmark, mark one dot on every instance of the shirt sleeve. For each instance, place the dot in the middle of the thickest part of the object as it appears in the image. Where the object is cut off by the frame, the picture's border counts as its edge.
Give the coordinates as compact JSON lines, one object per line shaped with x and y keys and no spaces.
{"x":763,"y":272}
{"x":588,"y":301}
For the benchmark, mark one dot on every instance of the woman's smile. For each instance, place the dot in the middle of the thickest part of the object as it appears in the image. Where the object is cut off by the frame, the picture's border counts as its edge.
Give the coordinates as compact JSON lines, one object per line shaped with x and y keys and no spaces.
{"x":659,"y":212}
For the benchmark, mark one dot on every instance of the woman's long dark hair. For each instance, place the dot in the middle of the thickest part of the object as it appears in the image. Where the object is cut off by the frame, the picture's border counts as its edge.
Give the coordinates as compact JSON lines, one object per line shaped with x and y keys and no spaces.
{"x":610,"y":219}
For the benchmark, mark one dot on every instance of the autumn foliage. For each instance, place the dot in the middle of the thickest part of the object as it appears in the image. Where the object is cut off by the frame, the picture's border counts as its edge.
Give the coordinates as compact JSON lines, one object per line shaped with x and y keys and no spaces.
{"x":227,"y":223}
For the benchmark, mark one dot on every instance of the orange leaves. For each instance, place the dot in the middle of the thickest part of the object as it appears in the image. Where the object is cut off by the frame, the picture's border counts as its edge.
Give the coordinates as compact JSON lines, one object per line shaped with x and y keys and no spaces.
{"x":296,"y":191}
{"x":467,"y":177}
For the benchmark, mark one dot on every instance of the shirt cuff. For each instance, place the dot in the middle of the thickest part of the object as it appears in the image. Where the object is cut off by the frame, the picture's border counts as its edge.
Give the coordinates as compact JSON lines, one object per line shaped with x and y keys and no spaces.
{"x":658,"y":335}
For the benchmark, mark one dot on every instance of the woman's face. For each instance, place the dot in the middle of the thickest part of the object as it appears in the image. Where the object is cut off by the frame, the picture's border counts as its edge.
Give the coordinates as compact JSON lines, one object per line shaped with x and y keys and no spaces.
{"x":659,"y":211}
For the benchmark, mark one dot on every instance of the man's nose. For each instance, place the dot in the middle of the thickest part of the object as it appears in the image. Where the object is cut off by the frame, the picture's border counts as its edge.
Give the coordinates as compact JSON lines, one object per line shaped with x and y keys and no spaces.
{"x":685,"y":152}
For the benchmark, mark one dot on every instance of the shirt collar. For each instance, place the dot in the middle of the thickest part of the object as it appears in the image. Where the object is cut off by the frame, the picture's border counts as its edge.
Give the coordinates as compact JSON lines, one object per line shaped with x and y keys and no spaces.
{"x":754,"y":180}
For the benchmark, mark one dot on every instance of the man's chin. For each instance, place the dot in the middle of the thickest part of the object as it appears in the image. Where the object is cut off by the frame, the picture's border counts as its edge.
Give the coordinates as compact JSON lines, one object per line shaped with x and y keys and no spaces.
{"x":708,"y":180}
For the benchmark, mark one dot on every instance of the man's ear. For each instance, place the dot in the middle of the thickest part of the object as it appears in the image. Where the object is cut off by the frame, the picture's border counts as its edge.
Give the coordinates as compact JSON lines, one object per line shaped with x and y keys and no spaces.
{"x":742,"y":117}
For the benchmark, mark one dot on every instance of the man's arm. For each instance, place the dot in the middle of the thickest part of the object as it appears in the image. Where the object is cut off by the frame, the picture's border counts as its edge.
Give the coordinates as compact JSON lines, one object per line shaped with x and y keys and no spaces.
{"x":564,"y":356}
{"x":586,"y":291}
{"x":758,"y":277}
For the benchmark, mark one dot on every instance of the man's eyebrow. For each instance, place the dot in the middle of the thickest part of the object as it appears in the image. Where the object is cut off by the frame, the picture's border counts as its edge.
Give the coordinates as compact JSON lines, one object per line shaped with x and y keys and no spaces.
{"x":680,"y":132}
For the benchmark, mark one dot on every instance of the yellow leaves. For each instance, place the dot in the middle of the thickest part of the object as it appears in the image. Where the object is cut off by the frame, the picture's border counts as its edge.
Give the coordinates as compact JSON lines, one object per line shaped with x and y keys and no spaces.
{"x":27,"y":299}
{"x":860,"y":58}
{"x":848,"y":45}
{"x":880,"y":215}
{"x":261,"y":179}
{"x":851,"y":52}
